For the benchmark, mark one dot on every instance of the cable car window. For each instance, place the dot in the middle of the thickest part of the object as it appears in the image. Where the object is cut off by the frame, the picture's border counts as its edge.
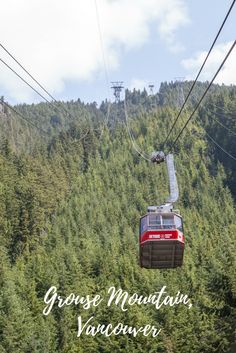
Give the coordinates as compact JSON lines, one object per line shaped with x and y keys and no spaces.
{"x":154,"y":220}
{"x":179,"y":223}
{"x":143,"y":225}
{"x":168,"y":221}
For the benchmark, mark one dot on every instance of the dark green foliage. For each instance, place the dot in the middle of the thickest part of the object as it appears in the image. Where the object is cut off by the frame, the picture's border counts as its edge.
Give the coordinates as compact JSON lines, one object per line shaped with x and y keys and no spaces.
{"x":69,"y":216}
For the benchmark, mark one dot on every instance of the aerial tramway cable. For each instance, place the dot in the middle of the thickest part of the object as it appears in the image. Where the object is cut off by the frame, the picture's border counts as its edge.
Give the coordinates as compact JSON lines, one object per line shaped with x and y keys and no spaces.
{"x":199,"y":72}
{"x":225,"y":111}
{"x":161,"y":239}
{"x":27,"y":83}
{"x":35,"y":80}
{"x":134,"y":144}
{"x":35,"y":90}
{"x":217,"y":121}
{"x":105,"y":66}
{"x":28,"y":73}
{"x":203,"y":96}
{"x":24,"y":118}
{"x":102,"y":47}
{"x":220,"y":147}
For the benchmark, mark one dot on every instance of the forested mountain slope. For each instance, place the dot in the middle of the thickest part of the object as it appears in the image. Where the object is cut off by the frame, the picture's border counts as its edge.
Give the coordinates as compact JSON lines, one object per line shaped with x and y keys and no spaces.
{"x":69,"y":218}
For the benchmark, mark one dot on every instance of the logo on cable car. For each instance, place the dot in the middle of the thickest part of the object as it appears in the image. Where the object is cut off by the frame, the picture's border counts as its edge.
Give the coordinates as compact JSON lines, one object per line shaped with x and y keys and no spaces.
{"x":160,"y":236}
{"x":167,"y":236}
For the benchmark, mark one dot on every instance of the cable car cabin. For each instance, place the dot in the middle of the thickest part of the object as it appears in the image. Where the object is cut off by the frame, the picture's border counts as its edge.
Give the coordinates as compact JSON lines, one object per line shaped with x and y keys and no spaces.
{"x":161,"y":239}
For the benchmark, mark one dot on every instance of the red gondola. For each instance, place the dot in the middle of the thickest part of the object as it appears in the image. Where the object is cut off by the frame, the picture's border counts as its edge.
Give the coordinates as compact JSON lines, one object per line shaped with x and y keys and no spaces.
{"x":161,"y":239}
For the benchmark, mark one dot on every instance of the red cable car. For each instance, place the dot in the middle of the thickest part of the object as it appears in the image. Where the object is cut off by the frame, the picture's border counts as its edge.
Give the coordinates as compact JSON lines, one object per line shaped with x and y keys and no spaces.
{"x":161,"y":239}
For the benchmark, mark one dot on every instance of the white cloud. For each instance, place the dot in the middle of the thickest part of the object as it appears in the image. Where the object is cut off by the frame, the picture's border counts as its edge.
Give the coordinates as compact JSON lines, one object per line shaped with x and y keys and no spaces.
{"x":138,"y":84}
{"x":227,"y":75}
{"x":176,"y":15}
{"x":58,"y":41}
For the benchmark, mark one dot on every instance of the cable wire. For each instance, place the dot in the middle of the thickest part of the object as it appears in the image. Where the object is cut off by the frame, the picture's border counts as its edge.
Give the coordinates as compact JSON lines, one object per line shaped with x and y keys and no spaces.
{"x":37,"y":127}
{"x":218,"y":122}
{"x":22,"y":117}
{"x":36,"y":81}
{"x":105,"y":67}
{"x":134,"y":144}
{"x":199,"y":72}
{"x":102,"y":47}
{"x":204,"y":94}
{"x":222,"y":108}
{"x":28,"y":73}
{"x":210,"y":113}
{"x":28,"y":84}
{"x":220,"y":147}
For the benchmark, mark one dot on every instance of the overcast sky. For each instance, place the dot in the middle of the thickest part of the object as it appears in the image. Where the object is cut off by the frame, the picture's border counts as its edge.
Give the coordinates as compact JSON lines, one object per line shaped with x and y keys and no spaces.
{"x":75,"y":48}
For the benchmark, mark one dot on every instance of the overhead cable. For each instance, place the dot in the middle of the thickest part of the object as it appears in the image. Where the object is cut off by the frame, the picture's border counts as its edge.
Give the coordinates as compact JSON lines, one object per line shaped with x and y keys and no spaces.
{"x":204,"y":94}
{"x":23,"y":117}
{"x":134,"y":144}
{"x":218,"y":122}
{"x":28,"y":84}
{"x":102,"y":47}
{"x":199,"y":72}
{"x":220,"y":147}
{"x":36,"y":81}
{"x":105,"y":66}
{"x":28,"y":73}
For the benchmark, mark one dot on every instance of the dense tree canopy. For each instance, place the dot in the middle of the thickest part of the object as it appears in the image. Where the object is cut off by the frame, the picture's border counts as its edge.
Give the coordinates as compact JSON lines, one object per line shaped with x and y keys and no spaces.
{"x":69,"y":215}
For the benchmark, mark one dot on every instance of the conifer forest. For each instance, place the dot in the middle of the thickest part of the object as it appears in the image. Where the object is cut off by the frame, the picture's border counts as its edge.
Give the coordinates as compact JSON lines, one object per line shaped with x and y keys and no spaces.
{"x":72,"y":191}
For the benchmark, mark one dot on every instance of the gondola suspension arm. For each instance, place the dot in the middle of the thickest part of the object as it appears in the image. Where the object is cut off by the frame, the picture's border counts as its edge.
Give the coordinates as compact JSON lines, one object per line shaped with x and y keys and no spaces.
{"x":159,"y":157}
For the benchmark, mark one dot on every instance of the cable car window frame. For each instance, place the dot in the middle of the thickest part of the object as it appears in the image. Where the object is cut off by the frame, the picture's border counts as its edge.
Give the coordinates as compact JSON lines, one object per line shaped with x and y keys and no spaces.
{"x":154,"y":225}
{"x":168,"y":217}
{"x":172,"y":224}
{"x":179,"y":227}
{"x":143,"y":226}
